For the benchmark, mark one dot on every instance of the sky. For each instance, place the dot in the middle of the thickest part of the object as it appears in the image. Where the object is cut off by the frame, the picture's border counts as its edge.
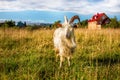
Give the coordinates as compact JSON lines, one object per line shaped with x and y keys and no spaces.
{"x":49,"y":11}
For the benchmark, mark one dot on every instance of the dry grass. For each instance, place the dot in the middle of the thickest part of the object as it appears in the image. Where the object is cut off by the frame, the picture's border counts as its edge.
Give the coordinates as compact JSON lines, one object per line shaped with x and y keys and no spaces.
{"x":29,"y":55}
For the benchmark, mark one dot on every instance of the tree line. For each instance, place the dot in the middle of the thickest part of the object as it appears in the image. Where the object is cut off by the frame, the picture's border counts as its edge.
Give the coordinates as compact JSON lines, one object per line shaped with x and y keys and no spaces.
{"x":115,"y":23}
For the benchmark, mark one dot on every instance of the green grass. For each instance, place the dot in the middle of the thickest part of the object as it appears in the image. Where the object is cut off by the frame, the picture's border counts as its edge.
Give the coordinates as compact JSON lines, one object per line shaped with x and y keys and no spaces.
{"x":29,"y":55}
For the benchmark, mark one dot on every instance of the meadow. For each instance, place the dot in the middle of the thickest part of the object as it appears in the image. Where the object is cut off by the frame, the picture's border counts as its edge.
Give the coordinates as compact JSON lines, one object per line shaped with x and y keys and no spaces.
{"x":29,"y":55}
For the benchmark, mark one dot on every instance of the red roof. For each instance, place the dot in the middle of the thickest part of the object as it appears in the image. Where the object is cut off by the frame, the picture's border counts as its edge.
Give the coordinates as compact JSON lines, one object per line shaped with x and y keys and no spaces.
{"x":96,"y":17}
{"x":101,"y":18}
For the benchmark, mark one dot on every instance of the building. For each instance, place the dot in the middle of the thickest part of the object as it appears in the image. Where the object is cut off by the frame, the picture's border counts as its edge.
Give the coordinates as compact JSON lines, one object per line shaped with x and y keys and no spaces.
{"x":97,"y":20}
{"x":21,"y":24}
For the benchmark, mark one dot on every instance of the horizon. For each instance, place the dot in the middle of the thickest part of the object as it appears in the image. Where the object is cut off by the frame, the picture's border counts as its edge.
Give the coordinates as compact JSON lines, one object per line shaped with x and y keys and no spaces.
{"x":50,"y":11}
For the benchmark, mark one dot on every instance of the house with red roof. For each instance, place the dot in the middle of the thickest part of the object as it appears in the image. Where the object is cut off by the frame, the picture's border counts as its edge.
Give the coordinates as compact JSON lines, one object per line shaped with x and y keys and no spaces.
{"x":97,"y":20}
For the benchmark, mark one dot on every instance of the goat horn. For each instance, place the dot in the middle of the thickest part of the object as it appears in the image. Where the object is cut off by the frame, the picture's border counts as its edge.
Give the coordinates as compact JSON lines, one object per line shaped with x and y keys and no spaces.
{"x":66,"y":20}
{"x":73,"y":18}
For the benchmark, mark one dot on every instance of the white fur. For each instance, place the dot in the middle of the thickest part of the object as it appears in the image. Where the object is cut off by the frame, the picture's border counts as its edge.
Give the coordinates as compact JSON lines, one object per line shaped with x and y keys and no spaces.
{"x":64,"y":41}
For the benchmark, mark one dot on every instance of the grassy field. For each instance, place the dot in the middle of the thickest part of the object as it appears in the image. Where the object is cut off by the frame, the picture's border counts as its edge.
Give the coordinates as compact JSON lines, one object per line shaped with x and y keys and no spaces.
{"x":29,"y":55}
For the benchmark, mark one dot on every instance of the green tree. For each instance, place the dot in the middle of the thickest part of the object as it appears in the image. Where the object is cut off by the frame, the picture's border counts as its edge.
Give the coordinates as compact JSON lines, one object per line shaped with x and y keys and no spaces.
{"x":84,"y":23}
{"x":113,"y":24}
{"x":9,"y":23}
{"x":119,"y":24}
{"x":55,"y":24}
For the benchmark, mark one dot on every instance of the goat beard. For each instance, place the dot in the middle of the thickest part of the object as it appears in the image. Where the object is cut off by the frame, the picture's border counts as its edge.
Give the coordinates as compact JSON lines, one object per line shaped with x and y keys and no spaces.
{"x":68,"y":43}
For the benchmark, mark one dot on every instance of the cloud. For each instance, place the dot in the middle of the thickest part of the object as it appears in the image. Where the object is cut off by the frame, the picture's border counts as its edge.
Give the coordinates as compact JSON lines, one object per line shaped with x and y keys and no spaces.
{"x":7,"y":0}
{"x":77,"y":6}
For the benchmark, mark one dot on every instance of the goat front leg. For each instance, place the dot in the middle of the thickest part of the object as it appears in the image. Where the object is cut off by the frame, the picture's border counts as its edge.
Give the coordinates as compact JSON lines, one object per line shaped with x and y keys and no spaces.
{"x":68,"y":58}
{"x":61,"y":61}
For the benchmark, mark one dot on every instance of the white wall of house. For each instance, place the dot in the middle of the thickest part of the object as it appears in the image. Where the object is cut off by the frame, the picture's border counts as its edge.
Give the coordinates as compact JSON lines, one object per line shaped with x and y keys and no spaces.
{"x":93,"y":25}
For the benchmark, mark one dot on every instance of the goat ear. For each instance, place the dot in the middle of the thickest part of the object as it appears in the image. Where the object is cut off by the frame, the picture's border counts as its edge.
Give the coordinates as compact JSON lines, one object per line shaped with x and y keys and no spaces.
{"x":66,"y":20}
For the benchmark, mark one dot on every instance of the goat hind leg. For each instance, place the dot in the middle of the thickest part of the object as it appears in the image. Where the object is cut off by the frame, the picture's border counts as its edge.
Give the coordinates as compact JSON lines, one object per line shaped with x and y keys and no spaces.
{"x":56,"y":53}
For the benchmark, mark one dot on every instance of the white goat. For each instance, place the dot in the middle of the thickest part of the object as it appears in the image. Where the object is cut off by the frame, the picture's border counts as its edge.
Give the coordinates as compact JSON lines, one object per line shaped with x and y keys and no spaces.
{"x":64,"y":40}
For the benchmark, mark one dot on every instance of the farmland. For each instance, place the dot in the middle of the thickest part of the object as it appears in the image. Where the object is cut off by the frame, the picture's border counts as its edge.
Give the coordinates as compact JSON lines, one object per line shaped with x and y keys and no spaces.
{"x":29,"y":55}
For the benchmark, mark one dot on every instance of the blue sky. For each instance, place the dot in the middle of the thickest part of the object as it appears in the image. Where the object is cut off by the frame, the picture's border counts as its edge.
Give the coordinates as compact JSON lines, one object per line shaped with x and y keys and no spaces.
{"x":49,"y":11}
